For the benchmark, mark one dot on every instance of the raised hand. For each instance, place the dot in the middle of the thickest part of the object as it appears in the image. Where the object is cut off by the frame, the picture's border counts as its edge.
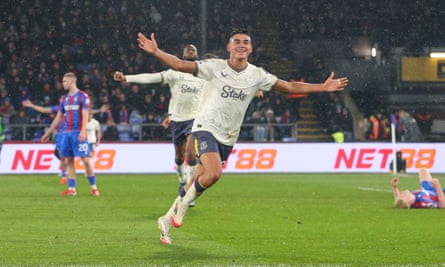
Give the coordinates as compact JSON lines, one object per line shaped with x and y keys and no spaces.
{"x":395,"y":182}
{"x":148,"y":45}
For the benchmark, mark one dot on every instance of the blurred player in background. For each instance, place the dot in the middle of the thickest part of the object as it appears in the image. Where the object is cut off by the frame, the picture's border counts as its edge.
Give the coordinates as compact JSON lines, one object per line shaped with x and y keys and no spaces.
{"x":430,"y":195}
{"x":57,"y":139}
{"x":230,"y":86}
{"x":53,"y":110}
{"x":186,"y":91}
{"x":94,"y":133}
{"x":74,"y":106}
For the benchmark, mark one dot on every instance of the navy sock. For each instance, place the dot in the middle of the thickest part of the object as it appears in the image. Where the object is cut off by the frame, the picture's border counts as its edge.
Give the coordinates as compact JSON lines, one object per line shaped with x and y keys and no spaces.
{"x":199,"y":188}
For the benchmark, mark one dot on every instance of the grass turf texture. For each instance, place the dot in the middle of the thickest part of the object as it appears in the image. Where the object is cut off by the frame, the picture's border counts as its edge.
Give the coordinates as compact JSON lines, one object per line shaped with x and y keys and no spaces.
{"x":245,"y":220}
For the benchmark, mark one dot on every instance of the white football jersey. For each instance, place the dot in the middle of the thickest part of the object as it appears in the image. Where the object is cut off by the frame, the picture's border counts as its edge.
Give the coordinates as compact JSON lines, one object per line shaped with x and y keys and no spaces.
{"x":226,"y":97}
{"x":185,"y":88}
{"x":186,"y":92}
{"x":92,"y":127}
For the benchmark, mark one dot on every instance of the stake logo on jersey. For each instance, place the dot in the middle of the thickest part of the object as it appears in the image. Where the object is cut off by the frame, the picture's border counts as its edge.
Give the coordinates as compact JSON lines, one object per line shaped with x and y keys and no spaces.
{"x":185,"y":88}
{"x":72,"y":106}
{"x":186,"y":91}
{"x":230,"y":92}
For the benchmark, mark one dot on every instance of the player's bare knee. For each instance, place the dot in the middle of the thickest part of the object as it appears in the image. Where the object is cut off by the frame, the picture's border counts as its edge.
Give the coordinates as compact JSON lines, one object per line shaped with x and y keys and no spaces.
{"x":424,"y":174}
{"x":215,"y":175}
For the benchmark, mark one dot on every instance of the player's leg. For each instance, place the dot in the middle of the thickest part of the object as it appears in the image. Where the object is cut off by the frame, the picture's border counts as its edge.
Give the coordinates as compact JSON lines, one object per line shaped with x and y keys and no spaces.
{"x":64,"y":174}
{"x":424,"y":175}
{"x":83,"y":151}
{"x":62,"y":163}
{"x":210,"y":161}
{"x":192,"y":161}
{"x":71,"y":190}
{"x":212,"y":170}
{"x":425,"y":179}
{"x":89,"y":171}
{"x":66,"y":154}
{"x":179,"y":161}
{"x":192,"y":158}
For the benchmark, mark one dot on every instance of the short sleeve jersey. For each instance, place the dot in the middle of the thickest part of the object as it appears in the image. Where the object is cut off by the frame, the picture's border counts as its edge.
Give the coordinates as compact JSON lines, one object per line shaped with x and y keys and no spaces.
{"x":226,"y":97}
{"x":186,"y":90}
{"x":425,"y":199}
{"x":92,"y":127}
{"x":71,"y":106}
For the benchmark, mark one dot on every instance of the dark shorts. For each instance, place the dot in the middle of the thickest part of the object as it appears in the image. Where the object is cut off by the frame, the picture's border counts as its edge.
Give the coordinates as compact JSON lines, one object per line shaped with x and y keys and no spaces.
{"x":205,"y":142}
{"x":180,"y":131}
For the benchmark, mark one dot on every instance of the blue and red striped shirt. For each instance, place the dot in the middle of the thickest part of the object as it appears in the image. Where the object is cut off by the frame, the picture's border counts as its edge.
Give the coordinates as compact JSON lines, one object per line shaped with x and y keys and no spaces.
{"x":72,"y":106}
{"x":425,"y":199}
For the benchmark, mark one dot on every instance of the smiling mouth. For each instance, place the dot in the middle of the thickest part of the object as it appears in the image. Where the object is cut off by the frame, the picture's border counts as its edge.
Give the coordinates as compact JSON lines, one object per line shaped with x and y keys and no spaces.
{"x":241,"y":50}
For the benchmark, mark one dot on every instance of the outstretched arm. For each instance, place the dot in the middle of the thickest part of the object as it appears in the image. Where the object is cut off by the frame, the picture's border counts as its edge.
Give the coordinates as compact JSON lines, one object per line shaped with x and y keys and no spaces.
{"x":150,"y":46}
{"x":395,"y":187}
{"x":330,"y":85}
{"x":29,"y":104}
{"x":143,"y":78}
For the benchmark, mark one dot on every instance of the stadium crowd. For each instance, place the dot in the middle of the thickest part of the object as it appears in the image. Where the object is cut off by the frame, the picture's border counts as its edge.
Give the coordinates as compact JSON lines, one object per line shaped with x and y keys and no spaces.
{"x":41,"y":40}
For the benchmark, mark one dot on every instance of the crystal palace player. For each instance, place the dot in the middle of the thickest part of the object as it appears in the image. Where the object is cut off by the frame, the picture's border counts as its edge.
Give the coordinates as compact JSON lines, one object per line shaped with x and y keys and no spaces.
{"x":74,"y":106}
{"x":431,"y":194}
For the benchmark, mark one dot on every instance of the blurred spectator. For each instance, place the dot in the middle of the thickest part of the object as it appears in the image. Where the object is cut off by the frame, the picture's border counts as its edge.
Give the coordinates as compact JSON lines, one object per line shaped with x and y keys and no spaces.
{"x":18,"y":121}
{"x":150,"y":132}
{"x":7,"y":110}
{"x":149,"y":105}
{"x":287,"y":131}
{"x":136,"y":98}
{"x":363,"y":126}
{"x":424,"y":121}
{"x":162,"y":105}
{"x":22,"y":97}
{"x":346,"y":124}
{"x":270,"y":122}
{"x":124,"y":116}
{"x":379,"y":128}
{"x":258,"y":131}
{"x":105,"y":114}
{"x":111,"y":133}
{"x":408,"y":128}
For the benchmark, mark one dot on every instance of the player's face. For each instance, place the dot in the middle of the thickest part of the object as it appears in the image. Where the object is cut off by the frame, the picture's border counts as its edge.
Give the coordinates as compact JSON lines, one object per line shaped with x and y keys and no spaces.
{"x":190,"y":52}
{"x":67,"y":82}
{"x":240,"y":46}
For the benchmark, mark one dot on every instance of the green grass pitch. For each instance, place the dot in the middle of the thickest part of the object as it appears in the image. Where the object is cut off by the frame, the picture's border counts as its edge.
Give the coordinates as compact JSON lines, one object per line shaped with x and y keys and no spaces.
{"x":244,"y":220}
